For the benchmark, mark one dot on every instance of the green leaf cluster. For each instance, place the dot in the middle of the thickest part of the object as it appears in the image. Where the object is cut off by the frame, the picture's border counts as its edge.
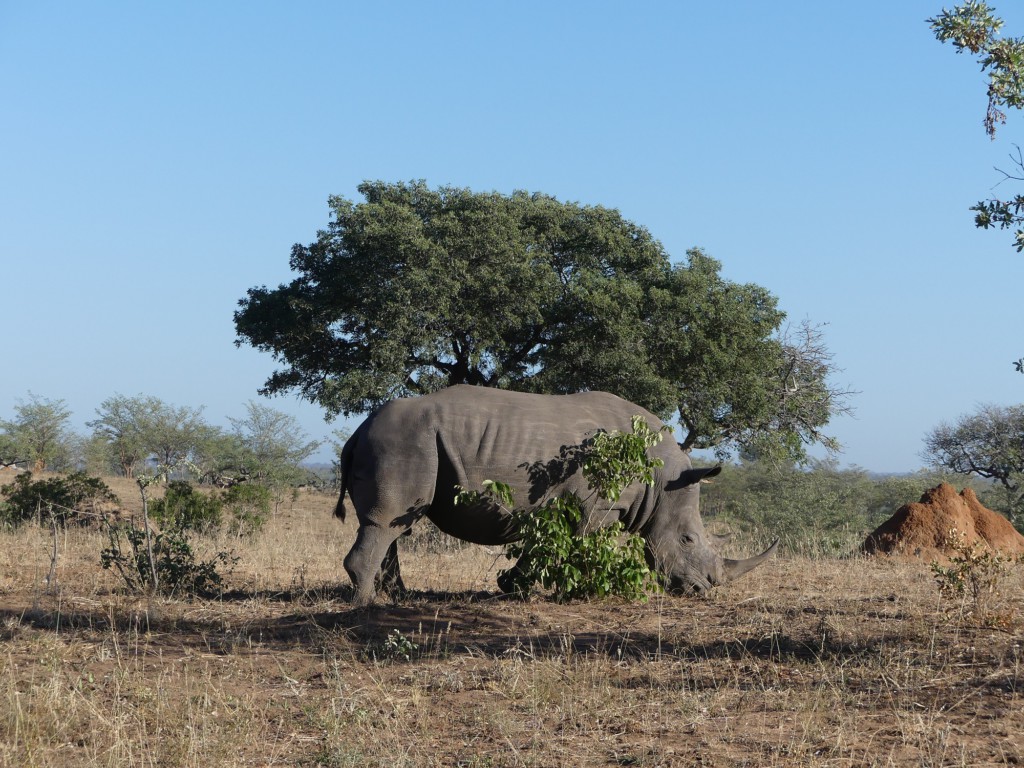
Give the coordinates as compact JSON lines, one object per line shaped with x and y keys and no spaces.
{"x":184,"y":508}
{"x":973,"y":26}
{"x":551,"y":552}
{"x":396,"y":646}
{"x":615,"y":460}
{"x":249,"y":505}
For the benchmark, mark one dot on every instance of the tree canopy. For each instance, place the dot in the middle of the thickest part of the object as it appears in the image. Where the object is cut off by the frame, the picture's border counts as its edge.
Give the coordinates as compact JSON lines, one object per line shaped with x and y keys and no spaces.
{"x":415,"y":289}
{"x":974,"y":27}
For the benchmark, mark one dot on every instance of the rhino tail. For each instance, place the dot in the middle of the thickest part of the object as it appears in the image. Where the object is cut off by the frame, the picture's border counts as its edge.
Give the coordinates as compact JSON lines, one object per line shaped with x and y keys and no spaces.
{"x":344,"y":473}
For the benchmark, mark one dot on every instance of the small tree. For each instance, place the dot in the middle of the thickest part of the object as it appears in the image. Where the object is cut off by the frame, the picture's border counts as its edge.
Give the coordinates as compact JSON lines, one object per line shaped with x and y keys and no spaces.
{"x":271,"y":445}
{"x":125,"y":424}
{"x":39,"y":431}
{"x":160,"y":561}
{"x":219,"y":460}
{"x":174,"y":435}
{"x":988,"y":443}
{"x":163,"y":563}
{"x":973,"y":580}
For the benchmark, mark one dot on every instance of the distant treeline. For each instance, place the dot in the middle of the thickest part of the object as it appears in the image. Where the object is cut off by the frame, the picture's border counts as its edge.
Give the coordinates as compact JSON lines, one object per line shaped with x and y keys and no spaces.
{"x":132,"y":435}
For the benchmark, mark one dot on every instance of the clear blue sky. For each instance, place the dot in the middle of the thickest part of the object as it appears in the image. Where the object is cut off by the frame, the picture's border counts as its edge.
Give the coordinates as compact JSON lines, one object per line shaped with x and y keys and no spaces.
{"x":158,"y":159}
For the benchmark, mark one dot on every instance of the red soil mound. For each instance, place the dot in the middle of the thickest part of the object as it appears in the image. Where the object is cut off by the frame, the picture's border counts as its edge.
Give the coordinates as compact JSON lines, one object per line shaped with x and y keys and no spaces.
{"x":920,"y":529}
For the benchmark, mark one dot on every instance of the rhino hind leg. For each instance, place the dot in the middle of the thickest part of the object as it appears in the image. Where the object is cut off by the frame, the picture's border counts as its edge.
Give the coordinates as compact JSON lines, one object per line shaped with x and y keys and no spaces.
{"x":391,"y":583}
{"x":373,"y":546}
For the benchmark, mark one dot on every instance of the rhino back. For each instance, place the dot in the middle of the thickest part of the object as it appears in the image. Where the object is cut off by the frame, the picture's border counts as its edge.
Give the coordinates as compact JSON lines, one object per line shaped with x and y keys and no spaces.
{"x":489,"y":431}
{"x":422,"y":448}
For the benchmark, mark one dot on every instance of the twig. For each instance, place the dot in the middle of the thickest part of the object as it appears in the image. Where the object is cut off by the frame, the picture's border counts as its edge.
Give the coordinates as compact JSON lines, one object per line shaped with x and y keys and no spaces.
{"x":51,"y":577}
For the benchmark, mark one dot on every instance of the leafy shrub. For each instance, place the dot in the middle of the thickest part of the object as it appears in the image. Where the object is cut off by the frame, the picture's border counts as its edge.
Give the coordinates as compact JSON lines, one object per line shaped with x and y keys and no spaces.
{"x":249,"y":505}
{"x":74,"y":498}
{"x":396,"y":646}
{"x":973,"y":578}
{"x":185,"y":508}
{"x":615,"y":460}
{"x":173,"y":569}
{"x":574,"y":566}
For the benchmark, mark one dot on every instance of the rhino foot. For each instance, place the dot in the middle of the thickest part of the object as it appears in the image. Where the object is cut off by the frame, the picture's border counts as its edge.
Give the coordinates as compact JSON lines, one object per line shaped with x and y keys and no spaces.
{"x":510,"y":582}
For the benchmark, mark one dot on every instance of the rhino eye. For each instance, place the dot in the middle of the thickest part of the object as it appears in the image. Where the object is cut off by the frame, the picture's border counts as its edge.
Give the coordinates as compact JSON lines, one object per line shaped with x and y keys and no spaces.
{"x":687,"y":538}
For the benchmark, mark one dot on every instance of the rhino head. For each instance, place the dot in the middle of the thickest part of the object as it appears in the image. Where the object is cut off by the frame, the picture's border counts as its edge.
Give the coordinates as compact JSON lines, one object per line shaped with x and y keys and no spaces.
{"x":681,"y":550}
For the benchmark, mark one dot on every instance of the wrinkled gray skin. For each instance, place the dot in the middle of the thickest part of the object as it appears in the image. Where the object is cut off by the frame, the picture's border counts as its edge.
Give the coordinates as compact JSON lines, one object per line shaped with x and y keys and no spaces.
{"x":404,"y":462}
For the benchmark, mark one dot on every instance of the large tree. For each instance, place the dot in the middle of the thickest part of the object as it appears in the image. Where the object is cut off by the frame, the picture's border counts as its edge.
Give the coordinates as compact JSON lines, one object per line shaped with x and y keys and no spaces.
{"x":415,"y":289}
{"x":974,"y":27}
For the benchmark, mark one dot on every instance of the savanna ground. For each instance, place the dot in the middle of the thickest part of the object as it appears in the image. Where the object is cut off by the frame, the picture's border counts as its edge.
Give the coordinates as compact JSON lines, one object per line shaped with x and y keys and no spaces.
{"x":804,"y":662}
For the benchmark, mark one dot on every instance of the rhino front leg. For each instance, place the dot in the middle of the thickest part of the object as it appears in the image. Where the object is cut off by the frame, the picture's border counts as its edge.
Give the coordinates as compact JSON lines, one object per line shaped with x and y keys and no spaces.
{"x":510,"y":581}
{"x":363,"y":562}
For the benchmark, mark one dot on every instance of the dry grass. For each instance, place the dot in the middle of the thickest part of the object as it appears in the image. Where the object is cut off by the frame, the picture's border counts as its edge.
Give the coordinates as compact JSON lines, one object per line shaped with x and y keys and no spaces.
{"x":841,"y":663}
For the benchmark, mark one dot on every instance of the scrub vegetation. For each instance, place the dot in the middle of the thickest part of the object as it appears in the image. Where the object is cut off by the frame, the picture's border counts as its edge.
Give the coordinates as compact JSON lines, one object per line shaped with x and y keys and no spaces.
{"x":821,"y":657}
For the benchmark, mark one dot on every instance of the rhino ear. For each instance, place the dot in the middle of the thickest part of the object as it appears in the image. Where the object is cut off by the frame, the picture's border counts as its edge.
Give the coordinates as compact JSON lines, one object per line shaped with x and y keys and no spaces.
{"x":700,"y":474}
{"x":714,"y":471}
{"x":694,"y":476}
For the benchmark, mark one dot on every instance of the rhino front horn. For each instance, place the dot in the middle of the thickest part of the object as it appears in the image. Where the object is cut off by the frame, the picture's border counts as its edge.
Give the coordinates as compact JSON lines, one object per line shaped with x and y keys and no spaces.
{"x":733,"y":569}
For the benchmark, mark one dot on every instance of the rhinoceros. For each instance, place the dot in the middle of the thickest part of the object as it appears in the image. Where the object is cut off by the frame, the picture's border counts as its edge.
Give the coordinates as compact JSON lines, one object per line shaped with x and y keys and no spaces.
{"x":405,"y":461}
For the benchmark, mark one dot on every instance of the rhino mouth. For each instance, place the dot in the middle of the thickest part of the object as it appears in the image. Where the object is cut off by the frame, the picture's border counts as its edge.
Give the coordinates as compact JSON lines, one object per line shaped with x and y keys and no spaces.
{"x":693,"y":586}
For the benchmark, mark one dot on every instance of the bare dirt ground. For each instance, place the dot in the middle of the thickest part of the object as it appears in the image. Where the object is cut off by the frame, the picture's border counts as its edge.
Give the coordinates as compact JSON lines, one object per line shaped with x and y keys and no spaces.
{"x":839,"y":663}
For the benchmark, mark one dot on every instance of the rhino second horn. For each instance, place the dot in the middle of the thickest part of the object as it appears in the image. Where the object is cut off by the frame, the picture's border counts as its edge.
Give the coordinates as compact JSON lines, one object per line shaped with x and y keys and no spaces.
{"x":735,"y":568}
